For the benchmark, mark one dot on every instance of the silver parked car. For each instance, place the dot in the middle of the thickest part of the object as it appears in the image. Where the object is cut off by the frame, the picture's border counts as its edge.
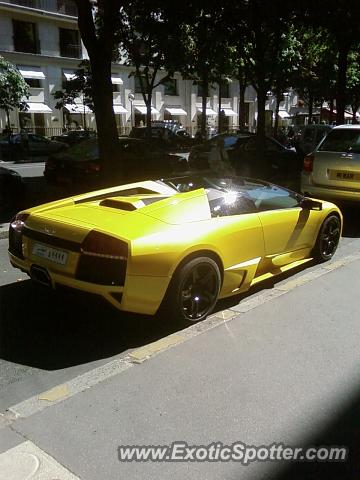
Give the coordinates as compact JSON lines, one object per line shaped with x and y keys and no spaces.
{"x":332,"y":171}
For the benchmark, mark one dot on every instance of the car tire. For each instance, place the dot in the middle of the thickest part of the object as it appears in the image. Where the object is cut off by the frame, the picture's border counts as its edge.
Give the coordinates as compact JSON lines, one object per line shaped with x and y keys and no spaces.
{"x":193,"y":291}
{"x":327,"y":239}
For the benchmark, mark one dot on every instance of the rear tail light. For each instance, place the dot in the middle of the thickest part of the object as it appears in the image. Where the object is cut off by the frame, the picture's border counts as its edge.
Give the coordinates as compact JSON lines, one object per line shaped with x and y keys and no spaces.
{"x":308,"y":163}
{"x":15,"y":234}
{"x":50,"y":163}
{"x":102,"y":260}
{"x":94,"y":167}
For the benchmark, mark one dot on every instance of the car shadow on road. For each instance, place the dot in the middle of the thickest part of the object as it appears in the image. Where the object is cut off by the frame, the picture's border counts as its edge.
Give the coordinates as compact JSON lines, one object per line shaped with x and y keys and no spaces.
{"x":54,"y":330}
{"x":51,"y":330}
{"x":351,"y":222}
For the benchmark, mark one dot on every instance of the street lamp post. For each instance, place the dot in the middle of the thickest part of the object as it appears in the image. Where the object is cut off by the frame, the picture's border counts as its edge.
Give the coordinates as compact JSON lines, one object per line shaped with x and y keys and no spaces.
{"x":131,"y":98}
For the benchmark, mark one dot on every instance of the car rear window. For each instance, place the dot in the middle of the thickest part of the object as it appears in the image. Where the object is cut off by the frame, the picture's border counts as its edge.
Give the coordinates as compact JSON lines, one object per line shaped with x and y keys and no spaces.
{"x":230,"y":141}
{"x":341,"y":140}
{"x":87,"y":148}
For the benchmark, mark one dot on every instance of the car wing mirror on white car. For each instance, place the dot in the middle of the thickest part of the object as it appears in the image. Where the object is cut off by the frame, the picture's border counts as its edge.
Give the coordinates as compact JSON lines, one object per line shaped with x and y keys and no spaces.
{"x":310,"y":204}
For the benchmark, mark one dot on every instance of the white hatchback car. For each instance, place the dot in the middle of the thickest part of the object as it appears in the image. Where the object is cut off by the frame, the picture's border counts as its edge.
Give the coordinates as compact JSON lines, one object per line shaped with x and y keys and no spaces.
{"x":332,"y":171}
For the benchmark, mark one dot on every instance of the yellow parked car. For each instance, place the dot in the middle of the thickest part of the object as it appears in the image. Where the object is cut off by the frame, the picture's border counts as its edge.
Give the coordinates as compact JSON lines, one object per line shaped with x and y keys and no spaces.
{"x":176,"y":245}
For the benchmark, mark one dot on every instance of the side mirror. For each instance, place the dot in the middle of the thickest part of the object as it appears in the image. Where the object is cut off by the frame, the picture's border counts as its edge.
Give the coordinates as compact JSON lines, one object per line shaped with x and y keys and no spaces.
{"x":354,"y":149}
{"x":309,"y":204}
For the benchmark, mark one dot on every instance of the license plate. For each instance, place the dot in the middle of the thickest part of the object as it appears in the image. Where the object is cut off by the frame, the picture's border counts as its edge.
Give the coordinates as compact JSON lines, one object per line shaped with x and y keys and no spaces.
{"x":51,"y":254}
{"x":341,"y":175}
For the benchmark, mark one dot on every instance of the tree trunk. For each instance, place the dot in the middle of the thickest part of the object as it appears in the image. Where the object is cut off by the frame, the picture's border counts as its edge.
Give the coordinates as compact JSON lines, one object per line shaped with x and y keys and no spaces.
{"x":262,"y":169}
{"x":331,"y":114}
{"x":99,"y":44}
{"x":321,"y":110}
{"x":311,"y":106}
{"x":84,"y":117}
{"x":277,"y":107}
{"x":104,"y":114}
{"x":261,"y":102}
{"x":242,"y":112}
{"x":205,"y":87}
{"x":148,"y":114}
{"x":354,"y":109}
{"x":341,"y":82}
{"x":8,"y":118}
{"x":219,"y":109}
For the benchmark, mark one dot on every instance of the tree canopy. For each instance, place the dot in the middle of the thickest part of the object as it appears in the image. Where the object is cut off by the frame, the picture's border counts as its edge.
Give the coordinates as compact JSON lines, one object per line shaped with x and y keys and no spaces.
{"x":13,"y":89}
{"x":270,"y":44}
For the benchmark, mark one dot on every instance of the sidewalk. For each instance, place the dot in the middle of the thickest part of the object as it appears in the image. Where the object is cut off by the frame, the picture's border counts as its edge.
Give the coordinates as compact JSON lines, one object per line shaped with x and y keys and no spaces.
{"x":282,"y":366}
{"x":4,"y":230}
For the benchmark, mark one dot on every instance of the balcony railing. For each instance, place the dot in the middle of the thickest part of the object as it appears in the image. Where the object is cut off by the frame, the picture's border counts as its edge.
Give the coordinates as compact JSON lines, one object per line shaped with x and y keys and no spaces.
{"x":71,"y":51}
{"x":64,"y":7}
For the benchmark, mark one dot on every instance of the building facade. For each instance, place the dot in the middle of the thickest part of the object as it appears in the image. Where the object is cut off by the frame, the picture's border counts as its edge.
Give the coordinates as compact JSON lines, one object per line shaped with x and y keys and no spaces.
{"x":41,"y":37}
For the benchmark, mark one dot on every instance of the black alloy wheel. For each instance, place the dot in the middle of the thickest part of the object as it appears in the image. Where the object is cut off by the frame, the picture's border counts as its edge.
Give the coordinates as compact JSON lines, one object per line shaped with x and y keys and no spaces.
{"x":194,"y":291}
{"x":328,"y":239}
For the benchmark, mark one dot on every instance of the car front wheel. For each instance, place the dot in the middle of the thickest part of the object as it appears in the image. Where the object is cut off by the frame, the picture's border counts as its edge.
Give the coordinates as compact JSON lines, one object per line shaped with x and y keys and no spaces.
{"x":328,"y":239}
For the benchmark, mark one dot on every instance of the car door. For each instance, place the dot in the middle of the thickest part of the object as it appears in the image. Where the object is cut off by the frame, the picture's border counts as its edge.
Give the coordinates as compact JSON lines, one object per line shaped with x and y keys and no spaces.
{"x":238,"y":233}
{"x":289,"y":230}
{"x":39,"y":145}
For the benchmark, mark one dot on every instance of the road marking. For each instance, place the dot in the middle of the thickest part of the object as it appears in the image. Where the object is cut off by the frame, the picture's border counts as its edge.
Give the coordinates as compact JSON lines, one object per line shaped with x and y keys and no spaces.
{"x":76,"y":385}
{"x":26,"y":461}
{"x":297,"y":282}
{"x":93,"y":377}
{"x":225,"y":314}
{"x":144,"y":353}
{"x":254,"y":302}
{"x":55,"y":394}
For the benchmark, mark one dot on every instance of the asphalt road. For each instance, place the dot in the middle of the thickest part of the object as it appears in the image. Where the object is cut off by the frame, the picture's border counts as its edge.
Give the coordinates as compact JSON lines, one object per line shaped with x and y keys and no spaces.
{"x":284,"y":371}
{"x":26,"y":169}
{"x":49,"y":337}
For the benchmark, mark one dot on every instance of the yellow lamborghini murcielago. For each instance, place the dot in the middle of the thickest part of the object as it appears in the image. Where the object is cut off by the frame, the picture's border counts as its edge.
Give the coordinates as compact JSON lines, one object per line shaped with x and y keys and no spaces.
{"x":178,"y":244}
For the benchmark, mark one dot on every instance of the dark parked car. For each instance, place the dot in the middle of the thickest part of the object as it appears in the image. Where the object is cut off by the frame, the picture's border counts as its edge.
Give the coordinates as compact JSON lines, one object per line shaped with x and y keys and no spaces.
{"x":137,"y":160}
{"x":241,"y":149}
{"x":282,"y":160}
{"x":12,"y":190}
{"x":199,"y":154}
{"x":167,"y":136}
{"x":73,"y":137}
{"x":13,"y":146}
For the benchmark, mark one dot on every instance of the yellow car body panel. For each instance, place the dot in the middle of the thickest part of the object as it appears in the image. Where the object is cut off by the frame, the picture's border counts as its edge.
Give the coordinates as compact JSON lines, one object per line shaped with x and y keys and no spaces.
{"x":160,"y":236}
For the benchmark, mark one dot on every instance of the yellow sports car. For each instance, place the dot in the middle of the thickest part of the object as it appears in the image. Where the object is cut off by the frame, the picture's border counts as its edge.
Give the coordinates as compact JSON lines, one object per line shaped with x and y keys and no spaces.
{"x":177,"y":244}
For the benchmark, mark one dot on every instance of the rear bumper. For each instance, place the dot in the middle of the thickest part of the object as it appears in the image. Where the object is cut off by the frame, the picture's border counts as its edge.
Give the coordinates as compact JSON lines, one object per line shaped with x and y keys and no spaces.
{"x":309,"y":188}
{"x":140,"y":294}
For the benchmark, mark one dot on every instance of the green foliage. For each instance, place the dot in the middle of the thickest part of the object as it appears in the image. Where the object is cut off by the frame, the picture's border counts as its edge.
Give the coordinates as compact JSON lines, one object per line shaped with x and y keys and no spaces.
{"x":79,"y":86}
{"x":316,"y":75}
{"x":353,"y":81}
{"x":148,"y":40}
{"x":13,"y":88}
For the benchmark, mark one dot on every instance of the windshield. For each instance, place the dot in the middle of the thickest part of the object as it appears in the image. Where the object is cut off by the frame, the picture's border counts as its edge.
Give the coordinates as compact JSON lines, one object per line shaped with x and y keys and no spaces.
{"x":87,"y":147}
{"x":341,"y":140}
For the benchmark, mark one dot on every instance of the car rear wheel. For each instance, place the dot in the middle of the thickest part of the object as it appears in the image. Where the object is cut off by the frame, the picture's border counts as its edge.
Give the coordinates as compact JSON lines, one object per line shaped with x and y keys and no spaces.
{"x":328,"y":239}
{"x":193,"y":291}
